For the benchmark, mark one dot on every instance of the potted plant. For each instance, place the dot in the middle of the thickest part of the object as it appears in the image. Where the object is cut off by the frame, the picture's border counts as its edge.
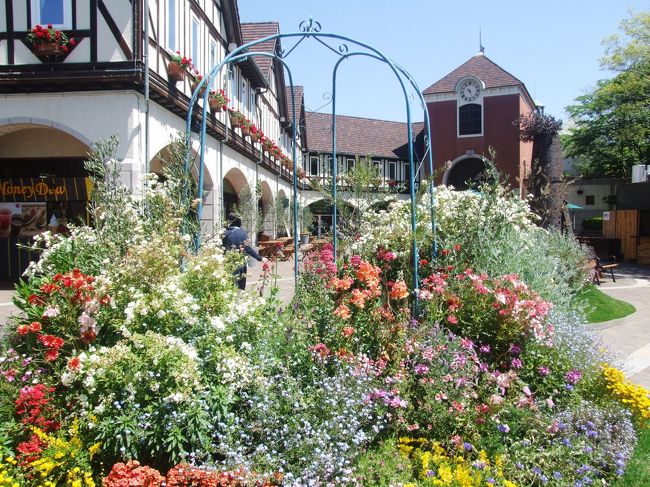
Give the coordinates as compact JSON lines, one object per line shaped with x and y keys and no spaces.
{"x":177,"y":67}
{"x":267,"y":145}
{"x":196,"y":79}
{"x":287,"y":163}
{"x":255,"y":133}
{"x":47,"y":41}
{"x":218,"y":100}
{"x":236,"y":118}
{"x":277,"y":153}
{"x":245,"y":127}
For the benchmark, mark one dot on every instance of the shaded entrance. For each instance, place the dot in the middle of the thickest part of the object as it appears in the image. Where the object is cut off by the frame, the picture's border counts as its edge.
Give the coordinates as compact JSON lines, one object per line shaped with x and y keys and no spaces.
{"x":466,"y":173}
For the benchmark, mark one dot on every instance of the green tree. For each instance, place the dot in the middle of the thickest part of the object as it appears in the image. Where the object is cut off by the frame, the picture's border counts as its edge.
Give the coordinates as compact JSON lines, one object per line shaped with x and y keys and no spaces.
{"x":611,"y":129}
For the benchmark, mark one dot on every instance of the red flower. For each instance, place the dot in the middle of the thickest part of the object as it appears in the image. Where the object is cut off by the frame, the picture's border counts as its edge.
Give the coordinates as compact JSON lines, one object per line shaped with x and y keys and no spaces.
{"x":23,"y":330}
{"x":35,"y":326}
{"x":74,"y":363}
{"x":88,"y":336}
{"x":348,"y":331}
{"x":51,"y":355}
{"x":72,"y":42}
{"x":444,"y":252}
{"x":457,"y":248}
{"x":51,"y":341}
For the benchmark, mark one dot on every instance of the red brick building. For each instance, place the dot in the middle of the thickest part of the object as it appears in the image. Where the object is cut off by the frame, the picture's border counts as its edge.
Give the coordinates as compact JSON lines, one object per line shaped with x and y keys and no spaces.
{"x":472,"y":110}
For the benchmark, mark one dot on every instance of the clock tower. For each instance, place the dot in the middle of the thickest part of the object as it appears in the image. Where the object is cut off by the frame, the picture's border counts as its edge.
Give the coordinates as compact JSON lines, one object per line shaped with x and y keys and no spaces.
{"x":473,"y":111}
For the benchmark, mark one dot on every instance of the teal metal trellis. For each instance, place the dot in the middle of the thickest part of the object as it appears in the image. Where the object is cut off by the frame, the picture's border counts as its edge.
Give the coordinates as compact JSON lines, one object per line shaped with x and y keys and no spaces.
{"x":311,"y":29}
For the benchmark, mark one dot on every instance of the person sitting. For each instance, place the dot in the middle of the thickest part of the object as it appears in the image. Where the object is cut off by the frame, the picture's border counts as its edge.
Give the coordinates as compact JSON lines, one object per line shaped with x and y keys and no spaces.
{"x":236,"y":239}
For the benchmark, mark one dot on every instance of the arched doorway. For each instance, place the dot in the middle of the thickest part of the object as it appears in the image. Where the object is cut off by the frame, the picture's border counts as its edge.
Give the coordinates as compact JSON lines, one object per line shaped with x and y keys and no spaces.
{"x":466,"y":172}
{"x":237,"y":196}
{"x":322,"y":213}
{"x":265,"y":209}
{"x":165,"y":156}
{"x":43,"y":186}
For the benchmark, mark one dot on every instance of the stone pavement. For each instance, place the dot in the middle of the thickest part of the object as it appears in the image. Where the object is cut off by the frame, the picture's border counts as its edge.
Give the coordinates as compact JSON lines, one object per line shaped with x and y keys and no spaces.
{"x":629,"y":337}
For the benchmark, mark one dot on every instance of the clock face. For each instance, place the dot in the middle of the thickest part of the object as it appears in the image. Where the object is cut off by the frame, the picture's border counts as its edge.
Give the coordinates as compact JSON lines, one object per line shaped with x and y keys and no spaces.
{"x":469,"y":90}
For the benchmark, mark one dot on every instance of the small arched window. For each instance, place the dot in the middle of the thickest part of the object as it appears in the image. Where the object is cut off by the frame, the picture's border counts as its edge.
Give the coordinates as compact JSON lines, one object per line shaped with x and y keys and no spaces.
{"x":470,"y":119}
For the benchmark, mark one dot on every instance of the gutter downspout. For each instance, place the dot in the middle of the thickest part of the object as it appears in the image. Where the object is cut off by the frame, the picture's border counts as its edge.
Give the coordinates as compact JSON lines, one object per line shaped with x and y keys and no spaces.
{"x":145,"y":55}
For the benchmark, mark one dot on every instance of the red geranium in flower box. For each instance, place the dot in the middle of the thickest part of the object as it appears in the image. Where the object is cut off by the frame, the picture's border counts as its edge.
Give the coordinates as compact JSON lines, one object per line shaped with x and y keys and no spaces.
{"x":47,"y":41}
{"x":178,"y":66}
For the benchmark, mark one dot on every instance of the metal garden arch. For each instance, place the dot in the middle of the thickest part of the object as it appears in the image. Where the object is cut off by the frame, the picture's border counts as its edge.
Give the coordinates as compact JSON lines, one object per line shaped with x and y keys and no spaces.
{"x":311,"y":29}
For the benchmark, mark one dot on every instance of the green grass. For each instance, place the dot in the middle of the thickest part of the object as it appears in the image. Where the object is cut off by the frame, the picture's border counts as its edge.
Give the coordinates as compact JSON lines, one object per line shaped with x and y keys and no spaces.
{"x":637,"y":472}
{"x":600,"y":307}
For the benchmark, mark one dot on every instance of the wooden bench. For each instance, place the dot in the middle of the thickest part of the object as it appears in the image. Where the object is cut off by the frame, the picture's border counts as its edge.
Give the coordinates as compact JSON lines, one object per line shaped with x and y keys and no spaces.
{"x":604,"y":268}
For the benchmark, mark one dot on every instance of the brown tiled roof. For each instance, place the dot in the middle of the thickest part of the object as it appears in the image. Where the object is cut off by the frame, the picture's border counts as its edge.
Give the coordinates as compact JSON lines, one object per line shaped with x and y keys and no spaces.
{"x":480,"y":66}
{"x":256,"y":30}
{"x":357,"y":135}
{"x":299,"y":93}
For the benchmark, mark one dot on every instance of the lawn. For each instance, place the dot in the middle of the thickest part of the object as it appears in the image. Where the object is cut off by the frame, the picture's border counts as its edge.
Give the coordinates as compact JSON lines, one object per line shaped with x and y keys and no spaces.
{"x":637,"y":472}
{"x":600,"y":307}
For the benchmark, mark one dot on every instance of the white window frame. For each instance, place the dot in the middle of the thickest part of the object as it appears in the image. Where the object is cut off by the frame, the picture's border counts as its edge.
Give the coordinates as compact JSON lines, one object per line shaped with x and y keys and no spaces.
{"x":315,"y":159}
{"x":378,"y":163}
{"x":392,"y":165}
{"x":478,"y":101}
{"x":67,"y":15}
{"x":349,"y":167}
{"x":213,"y":50}
{"x":196,"y":54}
{"x":172,"y":40}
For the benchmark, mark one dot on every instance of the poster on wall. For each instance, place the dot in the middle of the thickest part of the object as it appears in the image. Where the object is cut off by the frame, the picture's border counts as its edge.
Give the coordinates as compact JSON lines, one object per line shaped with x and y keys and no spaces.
{"x":22,"y":220}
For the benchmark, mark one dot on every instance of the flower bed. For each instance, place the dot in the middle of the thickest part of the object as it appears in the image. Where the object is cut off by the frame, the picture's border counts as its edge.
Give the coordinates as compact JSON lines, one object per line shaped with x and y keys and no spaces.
{"x":136,"y":361}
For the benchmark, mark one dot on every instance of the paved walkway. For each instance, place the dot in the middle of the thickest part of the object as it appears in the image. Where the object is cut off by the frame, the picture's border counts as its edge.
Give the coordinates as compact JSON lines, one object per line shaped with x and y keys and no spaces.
{"x":629,"y":337}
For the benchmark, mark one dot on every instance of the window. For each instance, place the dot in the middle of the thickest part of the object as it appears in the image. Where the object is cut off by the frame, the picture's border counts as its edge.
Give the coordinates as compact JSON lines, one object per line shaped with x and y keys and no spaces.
{"x":376,"y":166}
{"x":407,"y":172}
{"x":590,"y":199}
{"x":244,"y":96}
{"x":392,"y":171}
{"x":313,"y":165}
{"x":469,"y":119}
{"x":350,"y":165}
{"x":55,"y":12}
{"x":171,"y":25}
{"x":195,"y":43}
{"x":212,"y":61}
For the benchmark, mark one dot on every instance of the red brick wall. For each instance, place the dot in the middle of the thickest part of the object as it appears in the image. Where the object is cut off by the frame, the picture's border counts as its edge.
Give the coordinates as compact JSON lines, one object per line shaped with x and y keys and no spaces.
{"x":498,"y":132}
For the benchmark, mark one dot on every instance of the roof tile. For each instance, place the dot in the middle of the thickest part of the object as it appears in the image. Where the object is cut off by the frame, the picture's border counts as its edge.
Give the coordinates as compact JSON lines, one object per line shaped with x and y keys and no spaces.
{"x":480,"y":66}
{"x":252,"y":31}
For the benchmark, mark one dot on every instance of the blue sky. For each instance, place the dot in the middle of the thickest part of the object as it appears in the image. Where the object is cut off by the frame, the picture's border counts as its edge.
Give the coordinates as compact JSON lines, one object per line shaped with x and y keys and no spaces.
{"x":552,"y":46}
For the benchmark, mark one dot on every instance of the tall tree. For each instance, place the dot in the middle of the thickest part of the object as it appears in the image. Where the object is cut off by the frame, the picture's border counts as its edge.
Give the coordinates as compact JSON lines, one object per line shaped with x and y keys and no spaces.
{"x":611,"y":130}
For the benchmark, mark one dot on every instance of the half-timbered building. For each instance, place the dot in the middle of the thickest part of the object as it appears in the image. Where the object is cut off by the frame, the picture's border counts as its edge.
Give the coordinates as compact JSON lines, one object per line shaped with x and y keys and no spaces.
{"x":114,"y":78}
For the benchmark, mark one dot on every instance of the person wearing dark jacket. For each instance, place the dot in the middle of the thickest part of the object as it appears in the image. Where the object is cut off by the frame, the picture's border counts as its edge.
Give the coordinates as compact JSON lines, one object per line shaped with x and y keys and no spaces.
{"x":235,"y":238}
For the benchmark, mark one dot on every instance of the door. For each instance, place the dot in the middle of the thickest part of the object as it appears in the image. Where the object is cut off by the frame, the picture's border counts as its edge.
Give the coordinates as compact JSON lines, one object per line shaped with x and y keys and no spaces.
{"x":627,"y":229}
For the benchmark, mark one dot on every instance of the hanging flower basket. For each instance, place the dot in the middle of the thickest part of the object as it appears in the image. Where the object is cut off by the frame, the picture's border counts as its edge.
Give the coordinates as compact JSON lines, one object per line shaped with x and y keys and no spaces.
{"x":245,"y":131}
{"x":215,"y":106}
{"x":195,"y":85}
{"x":47,"y":49}
{"x":175,"y":72}
{"x":177,"y":67}
{"x":236,"y":118}
{"x":49,"y":42}
{"x":218,"y":100}
{"x":255,"y":134}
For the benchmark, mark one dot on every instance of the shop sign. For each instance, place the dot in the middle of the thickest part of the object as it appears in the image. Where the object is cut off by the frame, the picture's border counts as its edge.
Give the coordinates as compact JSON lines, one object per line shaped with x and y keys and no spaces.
{"x":44,"y":189}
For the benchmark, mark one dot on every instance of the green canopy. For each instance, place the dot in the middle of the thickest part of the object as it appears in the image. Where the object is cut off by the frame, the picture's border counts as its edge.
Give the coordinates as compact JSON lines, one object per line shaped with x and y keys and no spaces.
{"x":571,"y":206}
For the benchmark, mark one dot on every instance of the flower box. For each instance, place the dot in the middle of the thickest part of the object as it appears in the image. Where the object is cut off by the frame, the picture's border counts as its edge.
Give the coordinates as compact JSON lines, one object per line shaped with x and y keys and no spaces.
{"x":175,"y":72}
{"x":195,"y":85}
{"x":47,"y":49}
{"x":215,"y":105}
{"x":245,"y":131}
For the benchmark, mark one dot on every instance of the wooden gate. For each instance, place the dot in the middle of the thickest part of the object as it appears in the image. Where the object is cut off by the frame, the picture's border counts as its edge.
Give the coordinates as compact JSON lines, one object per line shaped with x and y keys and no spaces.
{"x":624,"y":225}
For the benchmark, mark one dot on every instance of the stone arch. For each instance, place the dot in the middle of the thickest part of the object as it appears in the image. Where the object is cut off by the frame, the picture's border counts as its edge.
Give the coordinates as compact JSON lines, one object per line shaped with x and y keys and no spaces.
{"x":235,"y":186}
{"x":265,"y":207}
{"x":466,"y":171}
{"x":18,"y":123}
{"x":158,"y":161}
{"x":39,"y":140}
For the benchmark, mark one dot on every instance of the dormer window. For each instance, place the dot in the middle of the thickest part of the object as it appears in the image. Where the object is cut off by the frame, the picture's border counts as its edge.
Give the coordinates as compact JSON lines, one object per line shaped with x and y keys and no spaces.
{"x":55,"y":12}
